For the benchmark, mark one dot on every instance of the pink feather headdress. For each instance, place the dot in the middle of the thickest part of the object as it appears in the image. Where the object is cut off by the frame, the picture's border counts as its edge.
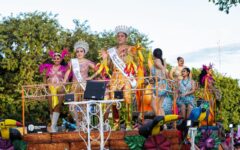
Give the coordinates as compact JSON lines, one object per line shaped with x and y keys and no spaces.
{"x":62,"y":55}
{"x":210,"y":66}
{"x":210,"y":78}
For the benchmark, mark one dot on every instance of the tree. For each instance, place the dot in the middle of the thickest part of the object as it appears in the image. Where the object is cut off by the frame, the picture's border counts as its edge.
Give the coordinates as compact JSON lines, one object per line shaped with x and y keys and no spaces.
{"x":23,"y":43}
{"x":225,"y":5}
{"x":228,"y":107}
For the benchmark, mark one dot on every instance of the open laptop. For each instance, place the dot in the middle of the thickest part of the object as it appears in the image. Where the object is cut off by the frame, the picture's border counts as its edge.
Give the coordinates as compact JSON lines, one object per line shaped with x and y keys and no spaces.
{"x":95,"y":90}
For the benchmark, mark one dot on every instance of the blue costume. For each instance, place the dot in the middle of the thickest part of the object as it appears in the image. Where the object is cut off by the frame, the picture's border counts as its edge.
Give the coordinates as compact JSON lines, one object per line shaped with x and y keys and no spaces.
{"x":162,"y":92}
{"x":186,"y":86}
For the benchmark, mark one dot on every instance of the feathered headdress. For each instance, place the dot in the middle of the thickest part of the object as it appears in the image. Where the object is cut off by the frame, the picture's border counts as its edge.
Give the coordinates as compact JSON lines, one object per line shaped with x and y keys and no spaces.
{"x":62,"y":55}
{"x":210,"y":66}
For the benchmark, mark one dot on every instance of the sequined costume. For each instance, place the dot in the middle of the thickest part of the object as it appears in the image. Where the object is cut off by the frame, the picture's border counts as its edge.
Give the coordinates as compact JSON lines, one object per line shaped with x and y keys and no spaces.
{"x":185,"y":86}
{"x":163,"y":89}
{"x":176,"y":72}
{"x":84,"y":69}
{"x":54,"y":78}
{"x":120,"y":82}
{"x":54,"y":74}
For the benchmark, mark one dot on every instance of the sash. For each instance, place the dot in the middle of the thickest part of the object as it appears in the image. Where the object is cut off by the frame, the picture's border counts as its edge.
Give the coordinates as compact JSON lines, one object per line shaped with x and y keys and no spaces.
{"x":76,"y":72}
{"x":118,"y":62}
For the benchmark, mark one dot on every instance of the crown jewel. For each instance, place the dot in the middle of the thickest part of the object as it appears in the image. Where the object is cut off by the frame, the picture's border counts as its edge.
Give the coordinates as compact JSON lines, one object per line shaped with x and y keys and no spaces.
{"x":81,"y":44}
{"x":122,"y":28}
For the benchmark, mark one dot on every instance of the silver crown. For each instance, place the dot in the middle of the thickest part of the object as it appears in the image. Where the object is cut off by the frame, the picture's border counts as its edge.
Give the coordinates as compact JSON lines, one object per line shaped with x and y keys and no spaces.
{"x":81,"y":44}
{"x":122,"y":28}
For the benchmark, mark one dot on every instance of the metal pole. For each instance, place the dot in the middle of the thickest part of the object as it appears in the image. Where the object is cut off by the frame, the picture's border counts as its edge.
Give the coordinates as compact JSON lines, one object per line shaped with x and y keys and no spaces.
{"x":193,"y":132}
{"x":88,"y":127}
{"x":23,"y":111}
{"x":101,"y":127}
{"x":231,"y":136}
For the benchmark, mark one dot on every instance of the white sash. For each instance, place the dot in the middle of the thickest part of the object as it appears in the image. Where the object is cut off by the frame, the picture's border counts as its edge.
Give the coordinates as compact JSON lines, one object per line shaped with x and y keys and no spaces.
{"x":118,"y":62}
{"x":76,"y":72}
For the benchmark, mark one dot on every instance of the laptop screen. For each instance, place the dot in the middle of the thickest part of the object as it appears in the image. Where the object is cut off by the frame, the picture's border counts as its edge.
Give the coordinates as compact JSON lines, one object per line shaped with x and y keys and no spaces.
{"x":95,"y":90}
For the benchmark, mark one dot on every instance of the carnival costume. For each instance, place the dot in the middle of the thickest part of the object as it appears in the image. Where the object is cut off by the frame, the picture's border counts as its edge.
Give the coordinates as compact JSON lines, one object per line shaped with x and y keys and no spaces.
{"x":177,"y":72}
{"x":208,"y":82}
{"x":185,"y":86}
{"x":122,"y":79}
{"x":79,"y":70}
{"x":54,"y":78}
{"x":162,"y":90}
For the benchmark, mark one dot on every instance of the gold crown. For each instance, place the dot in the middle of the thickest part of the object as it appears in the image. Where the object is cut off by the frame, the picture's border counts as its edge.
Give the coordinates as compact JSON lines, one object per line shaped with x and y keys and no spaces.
{"x":122,"y":28}
{"x":81,"y":44}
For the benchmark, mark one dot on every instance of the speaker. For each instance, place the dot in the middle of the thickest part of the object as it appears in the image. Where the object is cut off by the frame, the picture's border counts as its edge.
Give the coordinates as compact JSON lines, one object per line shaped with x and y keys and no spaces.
{"x":69,"y":97}
{"x":118,"y":94}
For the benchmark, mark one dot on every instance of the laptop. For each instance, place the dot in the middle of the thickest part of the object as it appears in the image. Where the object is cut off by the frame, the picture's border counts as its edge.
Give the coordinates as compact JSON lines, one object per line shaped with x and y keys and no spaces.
{"x":95,"y":90}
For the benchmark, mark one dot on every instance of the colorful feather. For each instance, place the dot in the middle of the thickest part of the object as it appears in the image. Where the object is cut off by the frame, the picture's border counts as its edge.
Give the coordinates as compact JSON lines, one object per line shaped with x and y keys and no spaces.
{"x":64,"y":53}
{"x":51,"y":53}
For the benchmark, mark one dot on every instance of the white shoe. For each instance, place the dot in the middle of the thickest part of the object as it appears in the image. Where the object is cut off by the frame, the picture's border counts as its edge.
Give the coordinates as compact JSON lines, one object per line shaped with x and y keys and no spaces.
{"x":54,"y":129}
{"x":55,"y":117}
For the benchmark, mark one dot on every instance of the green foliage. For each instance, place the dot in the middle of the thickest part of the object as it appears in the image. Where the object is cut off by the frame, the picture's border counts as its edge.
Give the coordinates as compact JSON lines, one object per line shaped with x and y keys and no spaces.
{"x":228,"y":108}
{"x":135,"y":142}
{"x":225,"y":5}
{"x":24,"y":44}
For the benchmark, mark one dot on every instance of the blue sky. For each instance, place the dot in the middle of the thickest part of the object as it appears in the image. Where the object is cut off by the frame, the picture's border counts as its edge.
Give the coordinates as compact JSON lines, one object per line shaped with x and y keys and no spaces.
{"x":179,"y":27}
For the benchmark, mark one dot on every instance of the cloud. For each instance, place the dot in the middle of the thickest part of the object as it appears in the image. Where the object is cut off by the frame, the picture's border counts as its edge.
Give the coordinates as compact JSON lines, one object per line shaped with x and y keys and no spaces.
{"x":225,"y":59}
{"x":213,"y":52}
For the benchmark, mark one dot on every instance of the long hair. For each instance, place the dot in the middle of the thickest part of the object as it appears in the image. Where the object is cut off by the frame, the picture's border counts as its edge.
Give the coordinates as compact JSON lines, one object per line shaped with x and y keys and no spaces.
{"x":157,"y":53}
{"x":187,"y":69}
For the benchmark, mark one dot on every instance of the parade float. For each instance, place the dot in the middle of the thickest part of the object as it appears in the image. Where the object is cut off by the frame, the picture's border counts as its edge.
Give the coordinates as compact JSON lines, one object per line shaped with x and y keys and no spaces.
{"x":148,"y":134}
{"x":199,"y":131}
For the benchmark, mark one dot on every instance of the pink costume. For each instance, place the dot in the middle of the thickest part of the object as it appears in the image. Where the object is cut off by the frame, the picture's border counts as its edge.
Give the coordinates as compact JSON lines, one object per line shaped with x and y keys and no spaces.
{"x":53,"y":76}
{"x":84,"y":69}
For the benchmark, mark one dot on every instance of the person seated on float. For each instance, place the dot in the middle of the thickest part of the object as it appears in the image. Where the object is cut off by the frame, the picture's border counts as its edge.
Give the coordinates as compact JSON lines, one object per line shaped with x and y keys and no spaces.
{"x":118,"y":57}
{"x":54,"y":76}
{"x":79,"y":67}
{"x":186,"y":100}
{"x":159,"y":70}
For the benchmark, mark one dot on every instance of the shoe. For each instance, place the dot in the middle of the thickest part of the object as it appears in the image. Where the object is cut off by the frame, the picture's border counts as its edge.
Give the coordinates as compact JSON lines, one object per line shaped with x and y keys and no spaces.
{"x":54,"y":129}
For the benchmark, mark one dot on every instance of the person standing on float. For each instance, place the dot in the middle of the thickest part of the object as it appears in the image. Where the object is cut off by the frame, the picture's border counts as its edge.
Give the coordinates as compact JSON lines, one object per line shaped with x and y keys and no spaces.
{"x":54,"y":75}
{"x":79,"y":67}
{"x":118,"y":57}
